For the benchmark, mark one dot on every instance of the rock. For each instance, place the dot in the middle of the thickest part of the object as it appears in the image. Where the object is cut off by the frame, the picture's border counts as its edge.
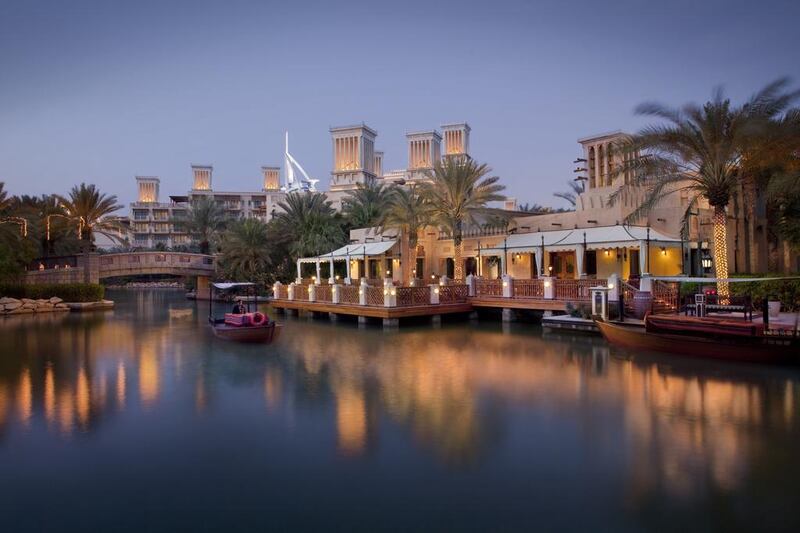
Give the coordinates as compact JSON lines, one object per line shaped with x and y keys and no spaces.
{"x":28,"y":301}
{"x":10,"y":306}
{"x":29,"y":305}
{"x":55,"y":300}
{"x":6,"y":300}
{"x":42,"y":302}
{"x":61,"y":305}
{"x":21,"y":311}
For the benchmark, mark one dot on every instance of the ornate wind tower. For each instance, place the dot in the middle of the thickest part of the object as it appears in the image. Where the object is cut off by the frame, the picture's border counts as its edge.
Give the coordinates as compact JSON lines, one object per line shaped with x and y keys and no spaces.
{"x":424,"y":150}
{"x":202,"y":177}
{"x":456,"y":139}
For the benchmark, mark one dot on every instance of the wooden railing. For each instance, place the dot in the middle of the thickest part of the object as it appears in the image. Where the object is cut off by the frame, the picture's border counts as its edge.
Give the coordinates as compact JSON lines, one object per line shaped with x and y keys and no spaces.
{"x":450,"y":294}
{"x":528,"y":288}
{"x":628,"y":292}
{"x":665,"y":297}
{"x":488,"y":287}
{"x":301,"y":292}
{"x":410,"y":296}
{"x":374,"y":295}
{"x":324,"y":293}
{"x":282,"y":293}
{"x":576,"y":289}
{"x":348,"y":294}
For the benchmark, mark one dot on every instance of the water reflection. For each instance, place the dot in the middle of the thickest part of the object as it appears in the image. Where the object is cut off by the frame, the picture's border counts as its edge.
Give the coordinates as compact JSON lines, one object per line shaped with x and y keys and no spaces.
{"x":464,"y":395}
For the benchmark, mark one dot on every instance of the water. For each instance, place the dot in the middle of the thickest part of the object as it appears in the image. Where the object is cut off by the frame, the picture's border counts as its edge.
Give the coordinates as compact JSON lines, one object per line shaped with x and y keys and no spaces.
{"x":139,"y":419}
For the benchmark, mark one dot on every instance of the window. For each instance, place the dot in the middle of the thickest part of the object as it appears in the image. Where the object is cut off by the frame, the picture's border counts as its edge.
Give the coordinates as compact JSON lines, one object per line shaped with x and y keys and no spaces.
{"x":140,"y":214}
{"x":591,"y":263}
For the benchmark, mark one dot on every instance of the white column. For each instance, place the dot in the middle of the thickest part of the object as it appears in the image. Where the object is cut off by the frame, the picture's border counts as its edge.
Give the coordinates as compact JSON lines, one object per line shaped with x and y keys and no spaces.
{"x":299,"y":278}
{"x":331,"y":277}
{"x":643,"y":257}
{"x":549,"y":288}
{"x":508,"y":286}
{"x":317,"y":281}
{"x":538,"y":259}
{"x":349,"y":272}
{"x":579,"y":253}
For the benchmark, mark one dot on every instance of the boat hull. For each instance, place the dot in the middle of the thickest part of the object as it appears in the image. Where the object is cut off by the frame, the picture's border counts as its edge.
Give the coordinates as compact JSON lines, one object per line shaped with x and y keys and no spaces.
{"x":752,"y":350}
{"x":264,"y":334}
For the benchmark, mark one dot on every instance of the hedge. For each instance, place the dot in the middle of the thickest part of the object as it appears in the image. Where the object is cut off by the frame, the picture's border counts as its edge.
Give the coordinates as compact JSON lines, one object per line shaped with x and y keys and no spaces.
{"x":69,"y":292}
{"x":787,"y":291}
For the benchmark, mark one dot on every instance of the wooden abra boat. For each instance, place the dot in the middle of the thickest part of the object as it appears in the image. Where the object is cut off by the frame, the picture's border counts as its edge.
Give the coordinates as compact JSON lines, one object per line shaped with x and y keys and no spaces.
{"x":715,"y":338}
{"x":242,"y":325}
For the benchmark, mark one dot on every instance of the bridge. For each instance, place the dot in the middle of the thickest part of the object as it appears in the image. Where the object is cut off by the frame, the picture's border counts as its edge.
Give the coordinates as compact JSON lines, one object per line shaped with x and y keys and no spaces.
{"x":71,"y":268}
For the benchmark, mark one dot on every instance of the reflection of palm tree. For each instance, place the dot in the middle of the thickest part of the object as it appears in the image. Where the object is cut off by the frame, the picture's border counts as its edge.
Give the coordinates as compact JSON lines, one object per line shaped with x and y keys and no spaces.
{"x":409,"y":213}
{"x":458,"y":190}
{"x":700,"y":150}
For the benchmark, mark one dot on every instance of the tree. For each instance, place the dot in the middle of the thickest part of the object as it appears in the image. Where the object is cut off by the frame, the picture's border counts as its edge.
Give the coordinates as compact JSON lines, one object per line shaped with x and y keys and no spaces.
{"x":574,"y":189}
{"x":205,"y":220}
{"x":90,"y":211}
{"x":48,"y":224}
{"x":408,"y":212}
{"x":700,"y":150}
{"x":457,"y":190}
{"x":308,"y":225}
{"x":246,"y":250}
{"x":364,"y":205}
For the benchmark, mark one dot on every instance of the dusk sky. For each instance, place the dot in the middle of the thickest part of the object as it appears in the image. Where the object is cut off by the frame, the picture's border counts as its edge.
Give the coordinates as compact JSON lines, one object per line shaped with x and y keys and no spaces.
{"x":103,"y":91}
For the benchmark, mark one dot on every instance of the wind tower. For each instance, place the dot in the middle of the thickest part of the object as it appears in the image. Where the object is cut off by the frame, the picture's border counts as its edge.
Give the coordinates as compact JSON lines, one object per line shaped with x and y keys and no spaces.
{"x":456,"y":139}
{"x":147,"y":189}
{"x":272,"y":178}
{"x":202,"y":177}
{"x":424,"y":150}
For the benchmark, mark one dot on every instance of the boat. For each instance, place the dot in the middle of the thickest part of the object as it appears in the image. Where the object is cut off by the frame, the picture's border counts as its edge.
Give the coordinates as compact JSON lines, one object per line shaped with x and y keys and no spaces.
{"x":706,"y":337}
{"x":248,"y":326}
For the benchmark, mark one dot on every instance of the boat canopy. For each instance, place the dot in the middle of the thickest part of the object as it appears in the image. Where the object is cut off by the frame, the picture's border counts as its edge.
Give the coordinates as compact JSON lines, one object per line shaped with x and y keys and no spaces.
{"x":369,"y":249}
{"x":227,"y":286}
{"x":595,"y":239}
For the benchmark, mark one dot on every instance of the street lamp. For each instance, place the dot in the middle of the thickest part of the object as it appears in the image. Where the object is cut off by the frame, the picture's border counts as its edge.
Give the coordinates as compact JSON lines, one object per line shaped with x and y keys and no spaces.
{"x":706,"y":262}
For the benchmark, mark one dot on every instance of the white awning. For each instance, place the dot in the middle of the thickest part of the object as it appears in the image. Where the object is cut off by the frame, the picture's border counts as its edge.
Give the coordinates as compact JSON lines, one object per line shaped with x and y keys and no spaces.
{"x":354,"y":251}
{"x":595,"y":239}
{"x":226,"y":286}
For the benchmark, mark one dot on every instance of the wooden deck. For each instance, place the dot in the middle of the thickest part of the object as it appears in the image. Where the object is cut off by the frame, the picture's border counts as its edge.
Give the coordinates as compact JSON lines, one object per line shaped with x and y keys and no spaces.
{"x":532,"y":304}
{"x":374,"y":311}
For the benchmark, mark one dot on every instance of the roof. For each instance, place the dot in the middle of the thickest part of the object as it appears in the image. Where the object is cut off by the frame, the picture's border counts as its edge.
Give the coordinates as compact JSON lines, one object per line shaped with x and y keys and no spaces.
{"x":595,"y":238}
{"x":226,"y":286}
{"x":355,"y":250}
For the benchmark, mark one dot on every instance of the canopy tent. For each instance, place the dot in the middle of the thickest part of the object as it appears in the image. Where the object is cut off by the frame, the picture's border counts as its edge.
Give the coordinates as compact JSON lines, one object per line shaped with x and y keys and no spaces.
{"x":362,"y":250}
{"x":368,"y":249}
{"x":595,"y":239}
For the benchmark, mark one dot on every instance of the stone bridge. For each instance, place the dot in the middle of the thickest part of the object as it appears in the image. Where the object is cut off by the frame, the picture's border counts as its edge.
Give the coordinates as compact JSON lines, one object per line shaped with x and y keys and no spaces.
{"x":70,"y":269}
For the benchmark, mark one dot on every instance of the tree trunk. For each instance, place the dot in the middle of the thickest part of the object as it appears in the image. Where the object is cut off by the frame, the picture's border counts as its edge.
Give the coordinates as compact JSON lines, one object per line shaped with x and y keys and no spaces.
{"x":721,"y":252}
{"x":458,"y":250}
{"x":87,"y":271}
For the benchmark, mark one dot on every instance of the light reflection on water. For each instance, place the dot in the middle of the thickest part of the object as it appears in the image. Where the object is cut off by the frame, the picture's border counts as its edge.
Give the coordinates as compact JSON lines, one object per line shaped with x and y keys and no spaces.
{"x":529,"y":425}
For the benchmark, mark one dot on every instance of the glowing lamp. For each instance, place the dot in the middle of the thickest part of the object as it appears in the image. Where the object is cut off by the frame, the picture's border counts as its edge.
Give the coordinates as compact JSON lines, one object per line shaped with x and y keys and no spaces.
{"x":505,"y":284}
{"x":436,"y":291}
{"x":394,"y":292}
{"x":610,"y":285}
{"x":547,"y":284}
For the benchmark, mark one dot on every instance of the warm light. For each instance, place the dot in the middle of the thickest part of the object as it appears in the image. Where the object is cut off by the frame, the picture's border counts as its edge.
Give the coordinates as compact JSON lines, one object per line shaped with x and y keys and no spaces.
{"x":337,"y":278}
{"x":610,"y":285}
{"x":663,"y":251}
{"x":309,"y":288}
{"x":385,"y":292}
{"x":394,"y":292}
{"x":314,"y":278}
{"x":546,"y":284}
{"x":436,"y":291}
{"x":387,"y":272}
{"x":505,"y":284}
{"x":607,"y":253}
{"x":433,"y":276}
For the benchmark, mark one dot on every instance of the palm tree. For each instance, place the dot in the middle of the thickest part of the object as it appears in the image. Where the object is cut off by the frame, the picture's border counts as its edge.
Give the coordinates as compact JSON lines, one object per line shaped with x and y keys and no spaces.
{"x":205,"y":220}
{"x":575,"y":189}
{"x":309,"y":225}
{"x":246,"y":249}
{"x":89,"y":209}
{"x":5,"y":201}
{"x":50,"y":223}
{"x":407,"y":212}
{"x":700,"y":150}
{"x":364,"y":205}
{"x":458,"y":190}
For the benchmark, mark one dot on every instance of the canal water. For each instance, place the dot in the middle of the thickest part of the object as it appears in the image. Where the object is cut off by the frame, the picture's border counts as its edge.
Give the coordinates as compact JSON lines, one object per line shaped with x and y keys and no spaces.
{"x":140,"y":420}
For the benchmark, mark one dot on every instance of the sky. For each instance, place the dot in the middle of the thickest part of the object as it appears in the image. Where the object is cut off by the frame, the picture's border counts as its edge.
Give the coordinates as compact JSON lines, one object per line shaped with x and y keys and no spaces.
{"x":102,"y":91}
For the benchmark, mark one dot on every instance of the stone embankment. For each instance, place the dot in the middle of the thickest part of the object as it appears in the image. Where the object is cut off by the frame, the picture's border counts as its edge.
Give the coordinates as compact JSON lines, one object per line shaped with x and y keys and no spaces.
{"x":12,"y":306}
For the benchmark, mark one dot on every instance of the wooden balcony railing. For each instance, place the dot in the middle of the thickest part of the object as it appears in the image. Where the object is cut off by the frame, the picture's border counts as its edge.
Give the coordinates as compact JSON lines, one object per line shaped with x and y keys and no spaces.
{"x":489,"y":287}
{"x":324,"y":293}
{"x":528,"y":288}
{"x":282,"y":293}
{"x":374,"y":295}
{"x":348,"y":294}
{"x":410,"y":296}
{"x":576,"y":289}
{"x":450,"y":294}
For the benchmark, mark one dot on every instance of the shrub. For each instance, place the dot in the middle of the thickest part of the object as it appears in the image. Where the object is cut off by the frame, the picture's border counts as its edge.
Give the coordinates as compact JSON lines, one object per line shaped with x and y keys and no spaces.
{"x":69,"y":292}
{"x":787,"y":291}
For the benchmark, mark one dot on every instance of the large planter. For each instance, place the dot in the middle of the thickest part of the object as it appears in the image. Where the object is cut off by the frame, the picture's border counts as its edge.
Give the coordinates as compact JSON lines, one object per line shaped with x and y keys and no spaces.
{"x":642,"y":303}
{"x":774,"y":309}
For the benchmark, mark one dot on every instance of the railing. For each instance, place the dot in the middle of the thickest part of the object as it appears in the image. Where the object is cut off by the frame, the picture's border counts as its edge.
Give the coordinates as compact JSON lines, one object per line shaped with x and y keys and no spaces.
{"x":528,"y":288}
{"x":282,"y":293}
{"x":576,"y":289}
{"x":449,"y":294}
{"x":410,"y":296}
{"x":488,"y":287}
{"x":628,"y":292}
{"x":301,"y":293}
{"x":324,"y":293}
{"x":348,"y":294}
{"x":374,"y":295}
{"x":665,"y":297}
